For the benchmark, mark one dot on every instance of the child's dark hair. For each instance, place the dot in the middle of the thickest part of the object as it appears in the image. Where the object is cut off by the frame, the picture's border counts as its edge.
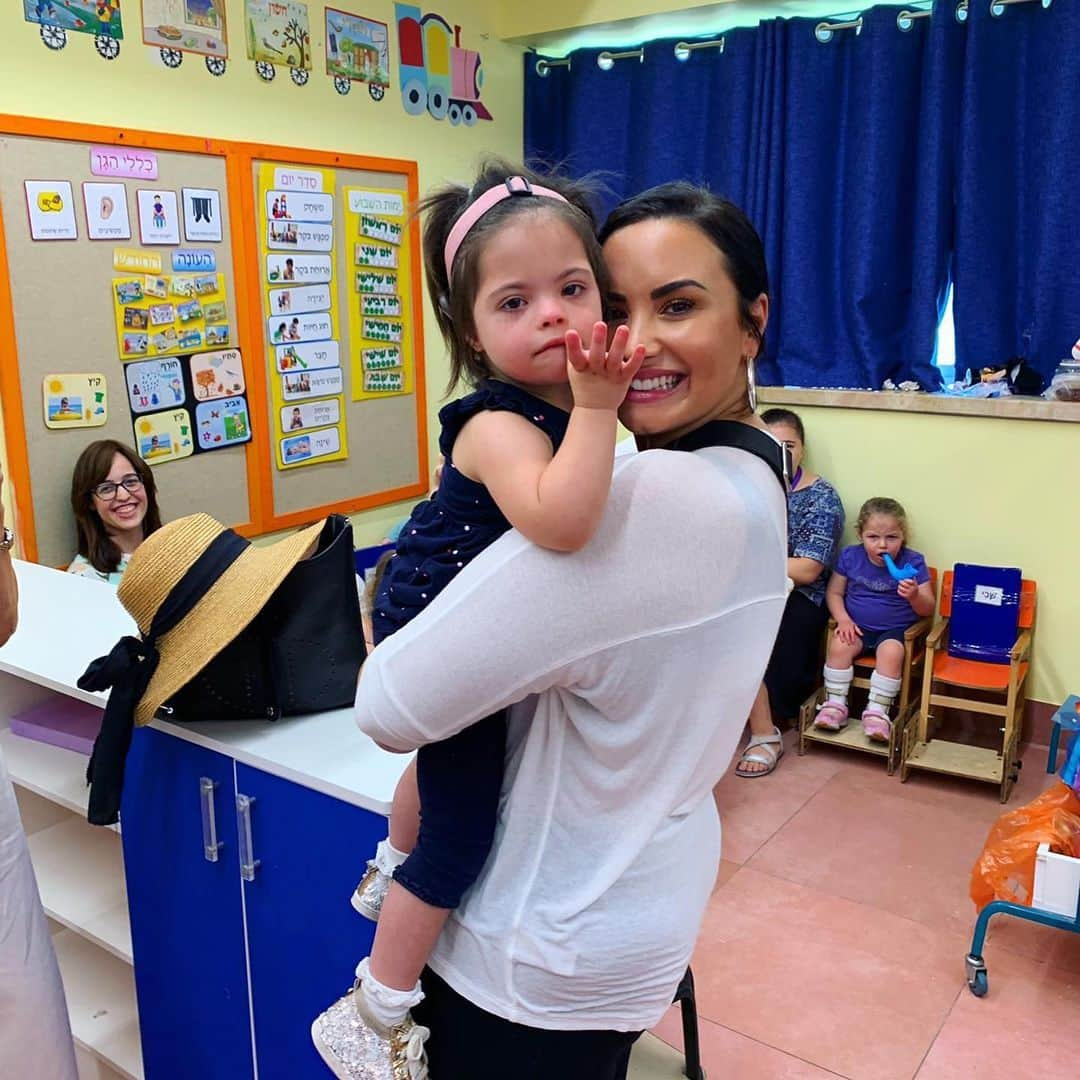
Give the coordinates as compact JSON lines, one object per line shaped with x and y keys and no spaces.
{"x":888,"y":508}
{"x":453,"y":300}
{"x":724,"y":224}
{"x":786,"y":417}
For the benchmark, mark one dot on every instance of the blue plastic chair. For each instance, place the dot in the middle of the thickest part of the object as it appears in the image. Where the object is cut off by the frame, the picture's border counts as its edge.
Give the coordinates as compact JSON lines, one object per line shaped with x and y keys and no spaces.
{"x":366,"y":558}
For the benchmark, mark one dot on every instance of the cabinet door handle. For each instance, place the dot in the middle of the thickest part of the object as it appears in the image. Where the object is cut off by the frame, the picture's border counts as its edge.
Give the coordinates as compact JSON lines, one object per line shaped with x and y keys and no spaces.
{"x":211,"y":845}
{"x":248,"y":862}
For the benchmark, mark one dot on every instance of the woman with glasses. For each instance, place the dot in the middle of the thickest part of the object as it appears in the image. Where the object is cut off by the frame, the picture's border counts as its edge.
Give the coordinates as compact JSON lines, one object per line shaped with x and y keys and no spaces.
{"x":114,"y":499}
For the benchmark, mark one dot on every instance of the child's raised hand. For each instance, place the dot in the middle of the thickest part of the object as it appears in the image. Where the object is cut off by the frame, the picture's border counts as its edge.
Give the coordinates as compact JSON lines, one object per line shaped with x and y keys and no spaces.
{"x":848,"y":632}
{"x":600,"y":378}
{"x":907,"y":588}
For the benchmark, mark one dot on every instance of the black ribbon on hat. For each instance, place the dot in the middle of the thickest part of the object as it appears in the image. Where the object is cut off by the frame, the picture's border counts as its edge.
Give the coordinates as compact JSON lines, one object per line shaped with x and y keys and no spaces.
{"x":130,"y":666}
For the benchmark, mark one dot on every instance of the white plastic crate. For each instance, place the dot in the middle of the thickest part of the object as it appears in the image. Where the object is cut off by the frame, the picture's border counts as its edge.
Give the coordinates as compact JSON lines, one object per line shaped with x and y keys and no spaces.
{"x":1057,"y":882}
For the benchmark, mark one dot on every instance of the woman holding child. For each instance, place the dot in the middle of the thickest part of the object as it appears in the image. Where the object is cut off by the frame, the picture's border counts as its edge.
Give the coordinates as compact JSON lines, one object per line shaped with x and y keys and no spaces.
{"x":614,"y":677}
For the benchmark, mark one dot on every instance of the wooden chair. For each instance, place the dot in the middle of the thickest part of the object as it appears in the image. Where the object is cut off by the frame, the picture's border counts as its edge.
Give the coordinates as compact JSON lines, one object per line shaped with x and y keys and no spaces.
{"x":852,"y":735}
{"x":994,"y":689}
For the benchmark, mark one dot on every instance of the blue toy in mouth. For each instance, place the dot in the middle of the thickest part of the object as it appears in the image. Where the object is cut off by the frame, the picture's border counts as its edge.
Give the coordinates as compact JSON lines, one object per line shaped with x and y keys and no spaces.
{"x":899,"y":573}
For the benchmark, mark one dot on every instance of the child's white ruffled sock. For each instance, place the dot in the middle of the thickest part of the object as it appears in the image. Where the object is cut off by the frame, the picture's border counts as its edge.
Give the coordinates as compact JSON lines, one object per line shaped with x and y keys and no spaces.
{"x":388,"y":858}
{"x":382,"y":1003}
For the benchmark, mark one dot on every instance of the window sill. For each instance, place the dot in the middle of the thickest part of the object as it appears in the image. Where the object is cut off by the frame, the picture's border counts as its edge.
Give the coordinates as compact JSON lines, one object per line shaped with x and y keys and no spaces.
{"x":1014,"y":408}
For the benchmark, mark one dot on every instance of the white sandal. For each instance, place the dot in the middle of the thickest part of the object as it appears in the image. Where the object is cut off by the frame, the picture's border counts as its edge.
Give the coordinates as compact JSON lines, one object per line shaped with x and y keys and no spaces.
{"x":760,"y":750}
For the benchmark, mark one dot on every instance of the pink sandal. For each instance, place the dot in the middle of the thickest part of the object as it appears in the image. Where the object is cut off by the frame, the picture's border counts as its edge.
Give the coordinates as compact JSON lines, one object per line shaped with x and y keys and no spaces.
{"x":876,"y":725}
{"x":832,"y":716}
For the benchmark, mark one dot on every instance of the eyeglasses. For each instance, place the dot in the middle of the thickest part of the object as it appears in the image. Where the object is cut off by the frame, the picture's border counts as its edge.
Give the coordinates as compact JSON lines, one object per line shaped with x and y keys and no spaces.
{"x":107,"y":489}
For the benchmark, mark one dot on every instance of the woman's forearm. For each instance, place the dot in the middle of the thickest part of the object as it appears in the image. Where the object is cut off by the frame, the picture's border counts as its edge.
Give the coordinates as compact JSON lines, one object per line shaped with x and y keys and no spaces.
{"x":804,"y":571}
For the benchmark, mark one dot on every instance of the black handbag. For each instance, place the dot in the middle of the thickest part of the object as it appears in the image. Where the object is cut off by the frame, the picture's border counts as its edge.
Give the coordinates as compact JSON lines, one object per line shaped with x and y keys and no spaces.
{"x":301,"y":654}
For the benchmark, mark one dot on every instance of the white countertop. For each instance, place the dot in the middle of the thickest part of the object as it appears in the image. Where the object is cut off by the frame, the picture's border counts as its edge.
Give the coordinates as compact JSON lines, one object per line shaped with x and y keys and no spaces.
{"x":65,"y":621}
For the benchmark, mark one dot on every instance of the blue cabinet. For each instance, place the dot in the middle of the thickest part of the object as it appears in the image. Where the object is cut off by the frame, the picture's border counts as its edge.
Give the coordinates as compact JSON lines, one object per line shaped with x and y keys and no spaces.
{"x":304,"y":938}
{"x":234,"y":958}
{"x":186,"y":912}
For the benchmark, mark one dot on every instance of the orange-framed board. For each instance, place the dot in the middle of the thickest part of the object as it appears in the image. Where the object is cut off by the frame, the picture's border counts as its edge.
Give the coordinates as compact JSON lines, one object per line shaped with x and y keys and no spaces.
{"x":100,"y":302}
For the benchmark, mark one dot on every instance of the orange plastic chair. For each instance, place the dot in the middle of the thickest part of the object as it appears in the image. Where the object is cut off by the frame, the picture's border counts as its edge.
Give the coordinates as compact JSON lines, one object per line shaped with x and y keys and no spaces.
{"x":994,"y":690}
{"x":851,"y":736}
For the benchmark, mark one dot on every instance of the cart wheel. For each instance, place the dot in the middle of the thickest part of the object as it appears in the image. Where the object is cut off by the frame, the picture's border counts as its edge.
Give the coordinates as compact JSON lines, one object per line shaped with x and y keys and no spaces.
{"x":215,"y":65}
{"x":54,"y":37}
{"x":108,"y":47}
{"x":171,"y":58}
{"x":342,"y":85}
{"x":376,"y":91}
{"x":299,"y":76}
{"x":977,"y":981}
{"x":265,"y":70}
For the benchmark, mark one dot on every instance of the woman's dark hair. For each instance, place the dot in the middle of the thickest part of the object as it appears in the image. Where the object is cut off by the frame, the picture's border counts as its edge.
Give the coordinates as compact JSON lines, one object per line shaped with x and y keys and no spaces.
{"x":785,"y":416}
{"x":724,"y":224}
{"x":453,"y":300}
{"x":93,"y":542}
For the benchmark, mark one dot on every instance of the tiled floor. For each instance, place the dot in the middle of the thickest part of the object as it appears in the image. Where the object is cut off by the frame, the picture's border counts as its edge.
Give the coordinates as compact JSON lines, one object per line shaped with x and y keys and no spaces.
{"x":834,"y":943}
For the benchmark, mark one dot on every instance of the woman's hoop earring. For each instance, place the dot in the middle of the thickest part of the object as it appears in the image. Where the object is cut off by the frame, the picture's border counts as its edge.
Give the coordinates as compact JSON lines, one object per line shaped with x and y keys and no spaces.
{"x":751,"y":384}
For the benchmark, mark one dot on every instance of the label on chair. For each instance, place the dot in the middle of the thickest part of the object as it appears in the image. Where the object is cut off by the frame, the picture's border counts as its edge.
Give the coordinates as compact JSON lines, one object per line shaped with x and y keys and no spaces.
{"x":989,"y":594}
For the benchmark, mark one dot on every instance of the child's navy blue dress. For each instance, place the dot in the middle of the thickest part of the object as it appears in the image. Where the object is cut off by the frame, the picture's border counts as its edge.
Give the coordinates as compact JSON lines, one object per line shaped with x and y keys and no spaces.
{"x":460,"y":778}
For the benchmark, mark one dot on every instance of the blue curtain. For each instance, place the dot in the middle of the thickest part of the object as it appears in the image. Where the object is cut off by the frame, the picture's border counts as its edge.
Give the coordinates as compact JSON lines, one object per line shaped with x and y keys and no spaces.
{"x":1017,"y":268}
{"x":826,"y":146}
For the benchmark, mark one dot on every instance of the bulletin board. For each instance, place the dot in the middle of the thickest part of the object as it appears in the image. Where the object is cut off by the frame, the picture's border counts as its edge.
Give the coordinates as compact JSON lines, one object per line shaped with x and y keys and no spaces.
{"x":67,"y":308}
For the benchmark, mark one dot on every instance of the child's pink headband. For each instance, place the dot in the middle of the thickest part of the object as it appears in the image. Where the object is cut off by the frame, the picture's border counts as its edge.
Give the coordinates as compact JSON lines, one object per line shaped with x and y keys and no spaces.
{"x":514,"y":185}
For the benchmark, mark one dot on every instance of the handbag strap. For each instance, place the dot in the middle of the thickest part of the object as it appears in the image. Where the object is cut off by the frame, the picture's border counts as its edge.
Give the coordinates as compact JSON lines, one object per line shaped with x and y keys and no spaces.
{"x":743,"y":437}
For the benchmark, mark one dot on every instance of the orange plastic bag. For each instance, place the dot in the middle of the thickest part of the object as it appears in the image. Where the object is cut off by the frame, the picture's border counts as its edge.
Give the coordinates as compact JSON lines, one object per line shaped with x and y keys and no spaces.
{"x":1006,"y":868}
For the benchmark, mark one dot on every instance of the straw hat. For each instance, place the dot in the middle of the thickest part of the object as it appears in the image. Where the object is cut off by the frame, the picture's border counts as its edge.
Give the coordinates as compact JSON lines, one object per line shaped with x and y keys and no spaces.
{"x":219,"y":616}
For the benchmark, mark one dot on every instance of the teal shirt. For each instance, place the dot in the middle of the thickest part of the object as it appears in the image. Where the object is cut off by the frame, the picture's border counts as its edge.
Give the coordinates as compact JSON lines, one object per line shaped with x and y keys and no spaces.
{"x":80,"y":566}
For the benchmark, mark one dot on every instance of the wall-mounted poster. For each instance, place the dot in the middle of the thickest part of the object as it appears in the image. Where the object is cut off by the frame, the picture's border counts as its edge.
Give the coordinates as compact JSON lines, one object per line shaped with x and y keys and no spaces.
{"x":159,"y":221}
{"x":380,"y":313}
{"x":164,"y":436}
{"x":51,"y":208}
{"x":296,"y":210}
{"x":101,"y":18}
{"x":106,"y":211}
{"x":202,"y":214}
{"x":163,"y":316}
{"x":277,"y":32}
{"x":196,"y":26}
{"x":358,"y":50}
{"x":75,"y":400}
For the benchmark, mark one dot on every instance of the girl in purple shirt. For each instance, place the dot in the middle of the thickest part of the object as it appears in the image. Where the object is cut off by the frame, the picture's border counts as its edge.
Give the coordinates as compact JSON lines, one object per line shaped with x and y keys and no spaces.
{"x":872,"y":611}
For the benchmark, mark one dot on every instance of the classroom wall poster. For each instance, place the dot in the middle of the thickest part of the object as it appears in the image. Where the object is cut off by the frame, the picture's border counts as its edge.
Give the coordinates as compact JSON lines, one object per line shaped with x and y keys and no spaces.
{"x":165,"y":315}
{"x":101,"y":18}
{"x":106,"y":211}
{"x":159,"y":221}
{"x":202,"y":215}
{"x":51,"y":208}
{"x":72,"y":400}
{"x":277,"y":32}
{"x":380,"y":304}
{"x":297,"y":239}
{"x":357,"y":48}
{"x":196,"y":26}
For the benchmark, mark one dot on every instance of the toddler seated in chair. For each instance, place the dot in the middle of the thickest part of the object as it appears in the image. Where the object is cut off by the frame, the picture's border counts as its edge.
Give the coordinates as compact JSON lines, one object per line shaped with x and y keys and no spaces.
{"x":872,"y":612}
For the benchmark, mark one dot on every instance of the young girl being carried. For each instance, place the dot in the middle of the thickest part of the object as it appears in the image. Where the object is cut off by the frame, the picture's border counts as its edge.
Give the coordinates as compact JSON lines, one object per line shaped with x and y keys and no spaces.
{"x":872,"y":611}
{"x":516,"y":279}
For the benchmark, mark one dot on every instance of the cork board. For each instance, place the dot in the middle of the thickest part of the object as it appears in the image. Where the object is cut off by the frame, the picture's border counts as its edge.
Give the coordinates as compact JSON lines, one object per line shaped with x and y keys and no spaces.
{"x":57,"y":311}
{"x":62,"y":307}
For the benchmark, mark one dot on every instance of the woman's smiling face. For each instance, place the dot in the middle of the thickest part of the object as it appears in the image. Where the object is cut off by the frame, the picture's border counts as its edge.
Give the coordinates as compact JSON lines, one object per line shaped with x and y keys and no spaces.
{"x":671,"y":286}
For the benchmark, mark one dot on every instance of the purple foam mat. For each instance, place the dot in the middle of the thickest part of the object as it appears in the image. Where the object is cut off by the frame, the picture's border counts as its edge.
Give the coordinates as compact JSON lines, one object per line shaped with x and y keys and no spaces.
{"x":60,"y":722}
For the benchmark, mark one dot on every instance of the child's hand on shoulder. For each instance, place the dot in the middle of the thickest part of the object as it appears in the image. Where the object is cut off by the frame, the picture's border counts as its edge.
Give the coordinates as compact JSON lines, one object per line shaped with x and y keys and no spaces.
{"x":907,"y":588}
{"x":600,"y":378}
{"x":848,"y":632}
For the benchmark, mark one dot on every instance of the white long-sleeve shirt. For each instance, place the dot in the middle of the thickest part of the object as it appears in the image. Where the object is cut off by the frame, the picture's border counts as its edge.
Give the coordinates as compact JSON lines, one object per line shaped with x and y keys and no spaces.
{"x":631,"y":666}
